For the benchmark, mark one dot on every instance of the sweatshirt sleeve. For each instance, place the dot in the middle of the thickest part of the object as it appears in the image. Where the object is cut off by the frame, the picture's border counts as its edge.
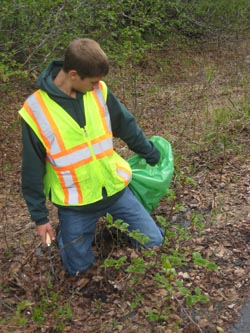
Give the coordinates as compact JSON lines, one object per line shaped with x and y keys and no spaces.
{"x":33,"y":170}
{"x":124,"y":126}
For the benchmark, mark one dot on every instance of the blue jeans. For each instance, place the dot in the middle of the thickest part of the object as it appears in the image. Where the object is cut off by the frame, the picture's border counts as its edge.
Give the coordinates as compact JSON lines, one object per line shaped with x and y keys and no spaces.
{"x":77,"y":230}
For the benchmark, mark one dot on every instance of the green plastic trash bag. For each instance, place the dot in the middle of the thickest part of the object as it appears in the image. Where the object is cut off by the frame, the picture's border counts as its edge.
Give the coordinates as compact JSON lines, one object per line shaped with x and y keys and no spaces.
{"x":151,"y":183}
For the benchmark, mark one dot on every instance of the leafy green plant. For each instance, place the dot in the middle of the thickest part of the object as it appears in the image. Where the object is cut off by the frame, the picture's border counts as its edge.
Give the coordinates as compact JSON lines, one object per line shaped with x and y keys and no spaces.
{"x":20,"y":317}
{"x":198,"y":222}
{"x":156,"y":317}
{"x":198,"y":260}
{"x":138,"y":299}
{"x":137,"y":266}
{"x":50,"y":304}
{"x":116,"y":263}
{"x":166,"y":267}
{"x":123,"y":227}
{"x":192,"y":297}
{"x":197,"y":297}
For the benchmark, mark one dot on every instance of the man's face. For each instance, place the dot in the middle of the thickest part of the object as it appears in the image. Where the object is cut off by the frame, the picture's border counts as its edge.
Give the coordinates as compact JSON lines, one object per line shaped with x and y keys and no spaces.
{"x":86,"y":84}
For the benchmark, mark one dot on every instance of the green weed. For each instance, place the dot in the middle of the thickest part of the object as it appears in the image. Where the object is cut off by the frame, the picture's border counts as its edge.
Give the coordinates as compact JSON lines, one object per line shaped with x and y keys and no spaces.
{"x":165,"y":267}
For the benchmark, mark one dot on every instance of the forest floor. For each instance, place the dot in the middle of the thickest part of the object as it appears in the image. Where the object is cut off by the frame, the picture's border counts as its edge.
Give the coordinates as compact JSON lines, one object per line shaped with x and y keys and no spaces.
{"x":197,"y":97}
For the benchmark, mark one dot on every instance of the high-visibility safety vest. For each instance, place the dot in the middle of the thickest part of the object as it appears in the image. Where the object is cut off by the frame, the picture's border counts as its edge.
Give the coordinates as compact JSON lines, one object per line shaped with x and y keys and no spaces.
{"x":80,"y":162}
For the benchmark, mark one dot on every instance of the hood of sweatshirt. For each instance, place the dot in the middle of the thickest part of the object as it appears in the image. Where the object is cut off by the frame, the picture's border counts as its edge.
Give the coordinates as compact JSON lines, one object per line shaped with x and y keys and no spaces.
{"x":46,"y":79}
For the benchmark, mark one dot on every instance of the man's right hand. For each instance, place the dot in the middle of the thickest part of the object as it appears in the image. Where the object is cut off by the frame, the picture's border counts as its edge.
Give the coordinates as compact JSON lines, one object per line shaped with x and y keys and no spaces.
{"x":43,"y":230}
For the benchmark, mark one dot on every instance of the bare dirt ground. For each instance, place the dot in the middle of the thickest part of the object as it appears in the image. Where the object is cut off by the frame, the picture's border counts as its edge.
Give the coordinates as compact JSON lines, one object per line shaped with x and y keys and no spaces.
{"x":196,"y":97}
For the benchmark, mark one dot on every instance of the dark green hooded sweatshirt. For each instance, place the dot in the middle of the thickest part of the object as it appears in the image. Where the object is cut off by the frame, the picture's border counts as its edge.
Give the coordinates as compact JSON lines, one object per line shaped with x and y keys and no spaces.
{"x":33,"y":159}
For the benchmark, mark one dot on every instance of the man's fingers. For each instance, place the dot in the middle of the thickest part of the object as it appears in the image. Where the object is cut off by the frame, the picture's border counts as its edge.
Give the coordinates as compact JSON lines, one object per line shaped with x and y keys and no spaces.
{"x":51,"y":234}
{"x":46,"y":233}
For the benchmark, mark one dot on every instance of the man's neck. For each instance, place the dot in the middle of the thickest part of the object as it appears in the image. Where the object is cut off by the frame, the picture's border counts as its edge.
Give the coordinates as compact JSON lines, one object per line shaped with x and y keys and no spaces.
{"x":62,"y":82}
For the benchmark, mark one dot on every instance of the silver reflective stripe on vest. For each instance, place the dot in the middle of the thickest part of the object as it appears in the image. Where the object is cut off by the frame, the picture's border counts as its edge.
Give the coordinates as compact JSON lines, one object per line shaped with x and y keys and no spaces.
{"x":43,"y":123}
{"x":71,"y":158}
{"x":123,"y":174}
{"x":103,"y":146}
{"x":104,"y":106}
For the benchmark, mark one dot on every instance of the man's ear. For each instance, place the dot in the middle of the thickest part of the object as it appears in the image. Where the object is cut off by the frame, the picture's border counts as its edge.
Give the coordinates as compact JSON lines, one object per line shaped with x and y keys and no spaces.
{"x":73,"y":74}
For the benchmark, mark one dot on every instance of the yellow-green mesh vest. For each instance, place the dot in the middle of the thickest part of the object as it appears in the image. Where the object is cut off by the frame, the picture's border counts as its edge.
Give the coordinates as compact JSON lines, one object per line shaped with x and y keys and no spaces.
{"x":80,"y":161}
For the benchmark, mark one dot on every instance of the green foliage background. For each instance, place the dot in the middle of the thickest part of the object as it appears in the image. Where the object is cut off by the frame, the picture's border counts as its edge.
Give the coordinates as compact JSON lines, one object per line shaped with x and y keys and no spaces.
{"x":32,"y":32}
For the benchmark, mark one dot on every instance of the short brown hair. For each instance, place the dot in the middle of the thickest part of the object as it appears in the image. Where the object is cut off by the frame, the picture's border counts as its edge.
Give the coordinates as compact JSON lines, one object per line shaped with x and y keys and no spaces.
{"x":86,"y":57}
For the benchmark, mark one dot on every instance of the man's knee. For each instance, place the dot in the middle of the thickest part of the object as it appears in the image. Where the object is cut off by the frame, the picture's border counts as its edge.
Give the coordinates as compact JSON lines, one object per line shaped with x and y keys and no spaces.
{"x":155,"y":240}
